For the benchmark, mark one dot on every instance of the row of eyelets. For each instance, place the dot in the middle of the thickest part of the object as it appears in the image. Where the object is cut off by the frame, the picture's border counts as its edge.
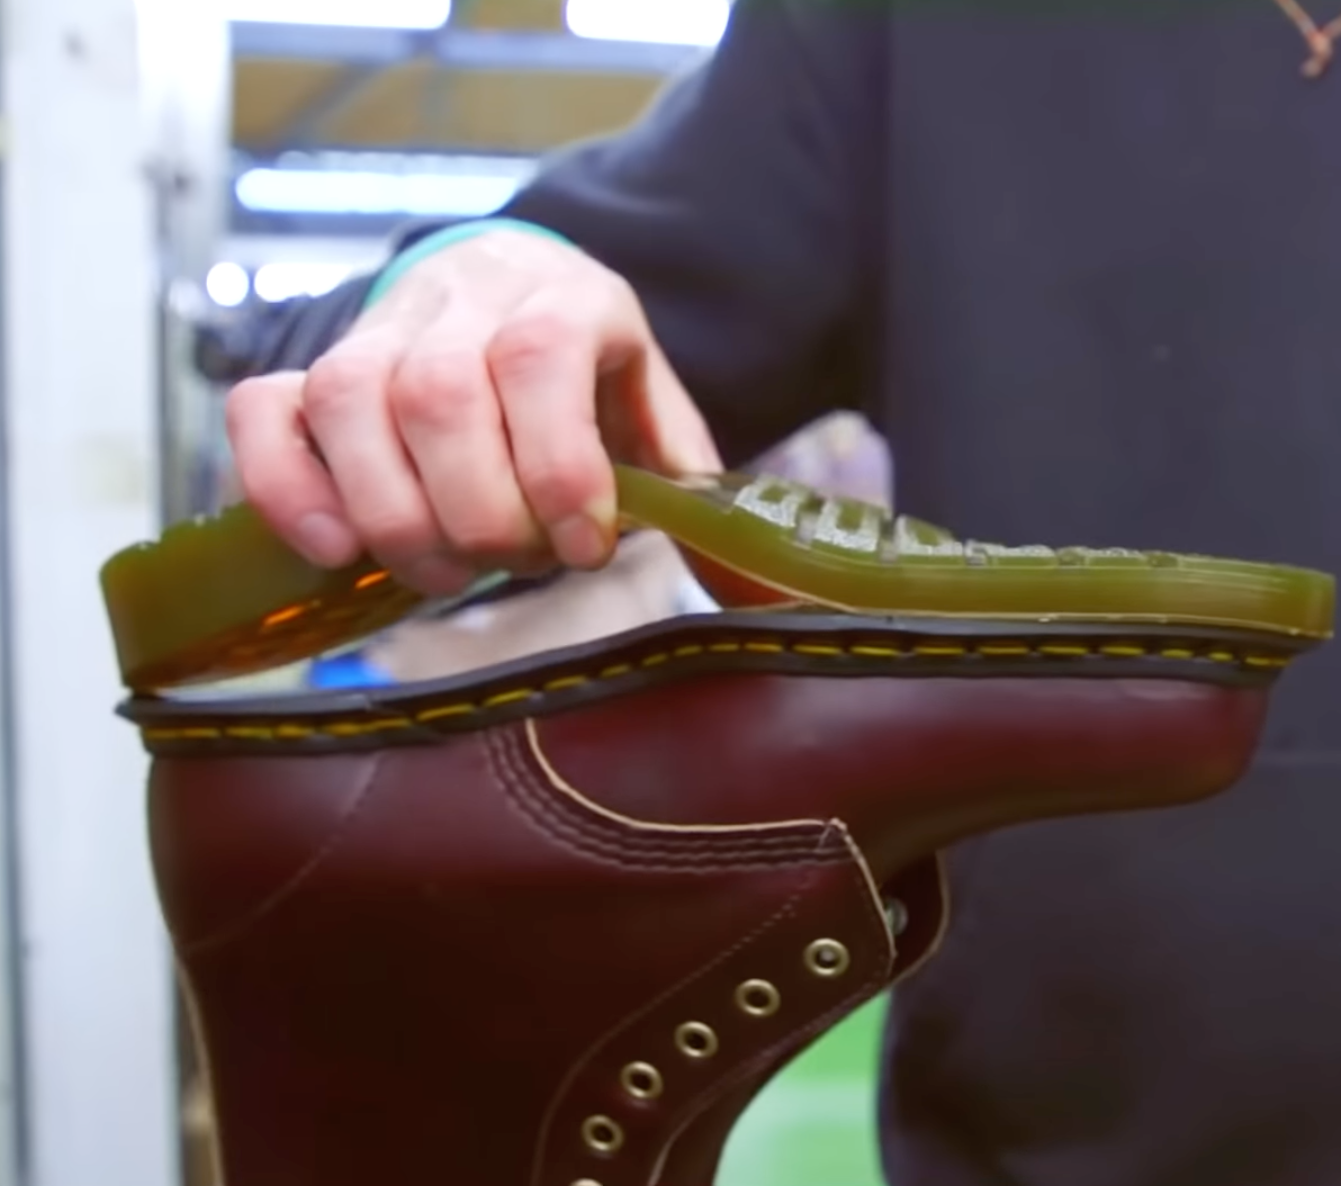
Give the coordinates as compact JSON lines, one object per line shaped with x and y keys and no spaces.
{"x":698,"y":1041}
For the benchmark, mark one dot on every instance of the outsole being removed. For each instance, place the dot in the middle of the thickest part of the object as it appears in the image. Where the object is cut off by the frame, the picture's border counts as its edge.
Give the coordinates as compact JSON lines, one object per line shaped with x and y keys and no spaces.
{"x":224,"y":597}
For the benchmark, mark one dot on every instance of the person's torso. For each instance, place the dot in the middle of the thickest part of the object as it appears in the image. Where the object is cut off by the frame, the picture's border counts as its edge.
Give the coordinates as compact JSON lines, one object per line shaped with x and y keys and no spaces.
{"x":1114,"y":315}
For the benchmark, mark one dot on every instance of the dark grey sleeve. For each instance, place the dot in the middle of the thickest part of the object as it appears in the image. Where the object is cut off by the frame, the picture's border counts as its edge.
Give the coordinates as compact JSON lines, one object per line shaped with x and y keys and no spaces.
{"x":739,"y":208}
{"x":289,"y":336}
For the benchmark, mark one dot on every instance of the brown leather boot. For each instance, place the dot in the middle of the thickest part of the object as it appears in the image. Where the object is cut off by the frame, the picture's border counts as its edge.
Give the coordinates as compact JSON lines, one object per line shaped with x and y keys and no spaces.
{"x":555,"y":923}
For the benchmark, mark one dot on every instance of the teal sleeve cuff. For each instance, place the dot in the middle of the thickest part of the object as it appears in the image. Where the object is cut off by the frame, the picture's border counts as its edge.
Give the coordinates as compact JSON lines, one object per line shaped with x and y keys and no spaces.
{"x":449,"y":237}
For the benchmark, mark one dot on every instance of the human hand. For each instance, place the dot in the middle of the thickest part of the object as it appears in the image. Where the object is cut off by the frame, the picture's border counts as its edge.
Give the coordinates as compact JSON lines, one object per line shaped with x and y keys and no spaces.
{"x":468,"y":421}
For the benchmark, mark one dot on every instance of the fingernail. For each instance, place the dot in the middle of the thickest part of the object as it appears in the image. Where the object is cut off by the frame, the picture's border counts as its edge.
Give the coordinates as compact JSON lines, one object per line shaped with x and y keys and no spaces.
{"x":326,"y":541}
{"x":582,"y":541}
{"x":437,"y":574}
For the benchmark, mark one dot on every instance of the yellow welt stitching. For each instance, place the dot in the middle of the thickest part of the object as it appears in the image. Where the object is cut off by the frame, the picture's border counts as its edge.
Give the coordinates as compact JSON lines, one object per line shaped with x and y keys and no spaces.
{"x":509,"y":697}
{"x":363,"y":728}
{"x":189,"y":733}
{"x":345,"y":729}
{"x":294,"y":731}
{"x":447,"y":710}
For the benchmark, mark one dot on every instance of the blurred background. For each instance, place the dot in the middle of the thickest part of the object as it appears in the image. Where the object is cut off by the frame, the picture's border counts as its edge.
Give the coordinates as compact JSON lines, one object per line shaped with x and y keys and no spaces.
{"x":172,"y":171}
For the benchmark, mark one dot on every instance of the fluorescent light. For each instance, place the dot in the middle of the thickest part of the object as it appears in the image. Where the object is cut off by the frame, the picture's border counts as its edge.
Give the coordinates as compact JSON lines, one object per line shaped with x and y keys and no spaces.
{"x":321,"y":191}
{"x":228,"y":284}
{"x":667,"y":22}
{"x":364,"y":14}
{"x":282,"y":281}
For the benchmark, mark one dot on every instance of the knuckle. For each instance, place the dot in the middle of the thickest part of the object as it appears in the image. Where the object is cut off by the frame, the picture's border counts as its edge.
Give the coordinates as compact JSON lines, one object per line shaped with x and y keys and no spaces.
{"x":612,"y":298}
{"x":531,"y":339}
{"x":619,"y":291}
{"x":251,"y":402}
{"x":442,"y":388}
{"x":340,"y":377}
{"x":243,"y":398}
{"x":557,"y":487}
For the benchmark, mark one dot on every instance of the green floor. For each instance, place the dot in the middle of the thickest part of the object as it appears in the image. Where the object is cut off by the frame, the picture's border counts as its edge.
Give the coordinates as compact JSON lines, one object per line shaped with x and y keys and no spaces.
{"x":816,"y":1121}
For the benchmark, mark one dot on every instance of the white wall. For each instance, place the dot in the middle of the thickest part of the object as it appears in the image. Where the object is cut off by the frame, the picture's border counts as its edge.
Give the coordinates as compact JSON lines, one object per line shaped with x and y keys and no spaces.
{"x":82,"y":483}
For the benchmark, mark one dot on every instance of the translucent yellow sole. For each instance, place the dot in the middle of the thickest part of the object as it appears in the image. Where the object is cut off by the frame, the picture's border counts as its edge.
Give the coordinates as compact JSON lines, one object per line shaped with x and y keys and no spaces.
{"x":223,"y":597}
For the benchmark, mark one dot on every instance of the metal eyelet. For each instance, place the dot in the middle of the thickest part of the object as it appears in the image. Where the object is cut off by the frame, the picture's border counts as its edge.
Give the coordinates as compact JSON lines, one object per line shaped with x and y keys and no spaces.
{"x":600,"y":1134}
{"x":758,"y":998}
{"x":897,"y":915}
{"x":828,"y":958}
{"x":695,"y":1040}
{"x":642,"y":1080}
{"x":586,"y":1182}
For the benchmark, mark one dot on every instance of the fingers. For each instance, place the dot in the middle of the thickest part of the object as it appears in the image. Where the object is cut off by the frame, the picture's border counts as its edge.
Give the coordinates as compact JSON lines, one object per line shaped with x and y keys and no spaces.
{"x":544,"y":362}
{"x":468,"y":422}
{"x":579,"y":378}
{"x":443,"y":402}
{"x":279,"y":473}
{"x":350,"y":418}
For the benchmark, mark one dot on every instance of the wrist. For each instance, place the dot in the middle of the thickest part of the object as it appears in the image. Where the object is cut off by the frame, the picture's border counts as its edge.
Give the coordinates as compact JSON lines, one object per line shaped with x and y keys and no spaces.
{"x":450,"y":236}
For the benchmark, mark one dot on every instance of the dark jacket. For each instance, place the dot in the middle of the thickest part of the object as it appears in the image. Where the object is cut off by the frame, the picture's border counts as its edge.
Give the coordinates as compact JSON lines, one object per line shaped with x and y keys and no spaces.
{"x":1085,"y":271}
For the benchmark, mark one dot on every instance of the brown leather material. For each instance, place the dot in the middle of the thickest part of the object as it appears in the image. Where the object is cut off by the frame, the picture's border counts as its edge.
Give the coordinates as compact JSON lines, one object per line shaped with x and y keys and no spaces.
{"x":434,"y":964}
{"x":909,"y":766}
{"x":415,"y":966}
